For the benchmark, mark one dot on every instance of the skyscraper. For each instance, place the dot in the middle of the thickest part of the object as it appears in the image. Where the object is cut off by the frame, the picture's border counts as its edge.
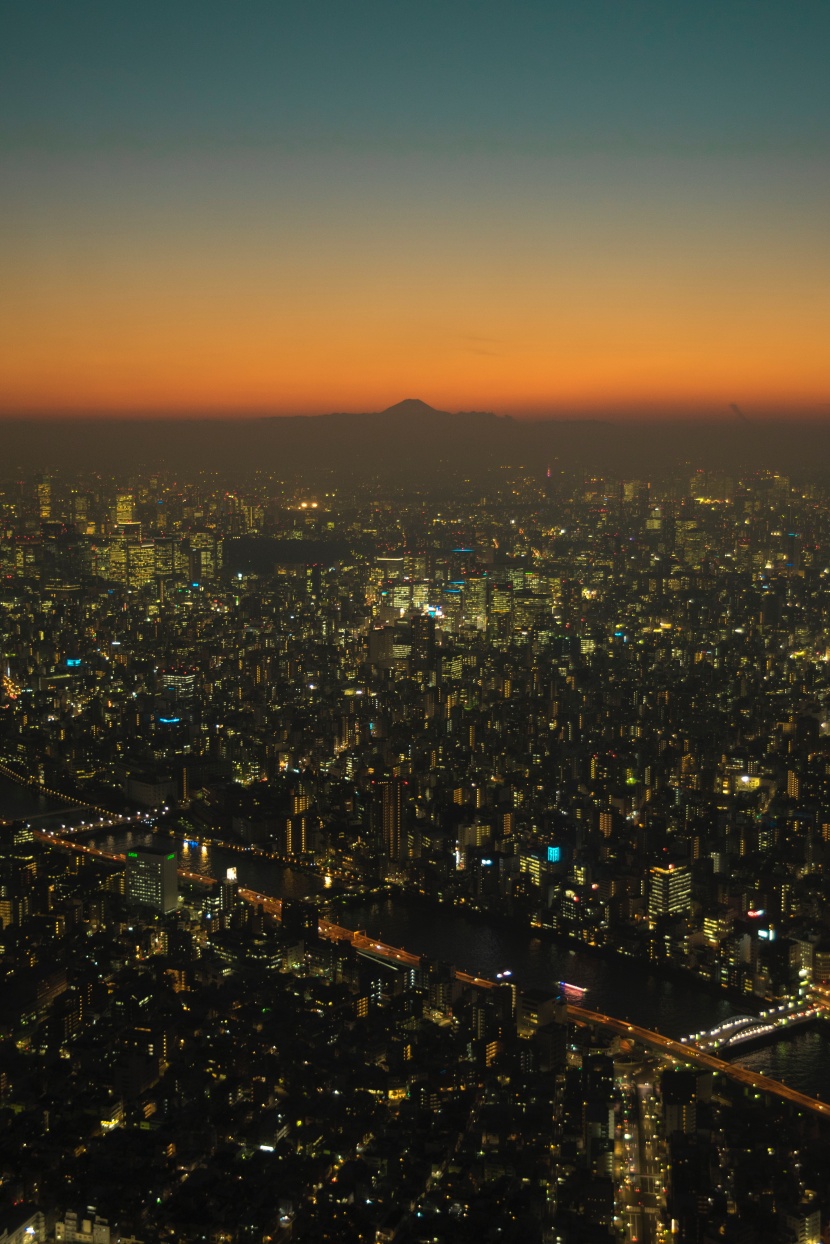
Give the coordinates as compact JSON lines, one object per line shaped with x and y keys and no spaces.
{"x":423,"y":641}
{"x":387,"y":815}
{"x":124,"y":508}
{"x":44,"y":498}
{"x":152,"y":879}
{"x":670,"y":891}
{"x":180,"y":685}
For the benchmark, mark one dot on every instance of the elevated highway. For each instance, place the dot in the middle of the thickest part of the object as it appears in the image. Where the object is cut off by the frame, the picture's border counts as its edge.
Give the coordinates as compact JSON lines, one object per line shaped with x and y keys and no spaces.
{"x":701,"y":1058}
{"x":114,"y":857}
{"x":395,"y":955}
{"x":667,"y":1046}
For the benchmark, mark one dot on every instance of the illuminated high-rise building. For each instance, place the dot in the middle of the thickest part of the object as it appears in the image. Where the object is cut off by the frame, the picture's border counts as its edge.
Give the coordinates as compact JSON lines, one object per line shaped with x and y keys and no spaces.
{"x":229,"y":892}
{"x":202,"y":556}
{"x":79,"y":510}
{"x":130,"y":531}
{"x":164,"y":553}
{"x":152,"y":879}
{"x":180,"y":685}
{"x":501,"y":602}
{"x":140,"y":564}
{"x":670,"y":891}
{"x":387,"y":816}
{"x":114,"y":562}
{"x":475,"y":601}
{"x":124,"y":508}
{"x":44,"y":498}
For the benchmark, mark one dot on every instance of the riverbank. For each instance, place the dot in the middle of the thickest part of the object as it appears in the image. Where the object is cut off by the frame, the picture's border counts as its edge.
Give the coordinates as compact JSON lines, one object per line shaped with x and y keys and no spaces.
{"x":673,"y":1003}
{"x":348,"y":907}
{"x":608,"y":954}
{"x":47,"y":792}
{"x":345,"y":907}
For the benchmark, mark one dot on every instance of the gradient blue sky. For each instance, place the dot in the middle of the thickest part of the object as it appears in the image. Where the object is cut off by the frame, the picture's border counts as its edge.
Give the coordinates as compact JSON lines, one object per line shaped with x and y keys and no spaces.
{"x":537,"y":208}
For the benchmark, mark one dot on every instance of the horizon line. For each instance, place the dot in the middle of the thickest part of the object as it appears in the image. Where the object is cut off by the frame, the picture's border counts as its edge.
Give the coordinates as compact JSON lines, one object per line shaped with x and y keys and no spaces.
{"x":669,"y":417}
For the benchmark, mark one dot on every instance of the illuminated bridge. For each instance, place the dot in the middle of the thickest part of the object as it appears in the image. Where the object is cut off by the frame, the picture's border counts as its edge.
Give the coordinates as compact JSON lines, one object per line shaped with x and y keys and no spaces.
{"x":740,"y":1030}
{"x":48,"y":792}
{"x":678,"y":1050}
{"x":701,"y":1058}
{"x":115,"y":857}
{"x":361,"y":941}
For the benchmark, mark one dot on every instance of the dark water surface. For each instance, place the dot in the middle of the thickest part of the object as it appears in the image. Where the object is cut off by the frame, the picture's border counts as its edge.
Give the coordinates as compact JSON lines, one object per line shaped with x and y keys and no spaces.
{"x":22,"y":803}
{"x":621,"y":987}
{"x":614,"y":985}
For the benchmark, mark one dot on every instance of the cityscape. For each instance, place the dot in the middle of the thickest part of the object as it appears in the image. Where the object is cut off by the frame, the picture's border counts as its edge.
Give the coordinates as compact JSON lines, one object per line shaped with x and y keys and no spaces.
{"x":414,"y":622}
{"x":249,"y":734}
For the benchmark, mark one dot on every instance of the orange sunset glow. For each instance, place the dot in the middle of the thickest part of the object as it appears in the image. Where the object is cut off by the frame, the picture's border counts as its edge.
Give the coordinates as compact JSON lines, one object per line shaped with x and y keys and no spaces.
{"x":571,"y":315}
{"x":576,"y":241}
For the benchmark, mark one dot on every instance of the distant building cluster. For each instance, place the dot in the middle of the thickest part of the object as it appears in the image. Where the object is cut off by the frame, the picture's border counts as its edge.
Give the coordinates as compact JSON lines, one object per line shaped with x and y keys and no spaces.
{"x":596,"y":705}
{"x":595,"y":708}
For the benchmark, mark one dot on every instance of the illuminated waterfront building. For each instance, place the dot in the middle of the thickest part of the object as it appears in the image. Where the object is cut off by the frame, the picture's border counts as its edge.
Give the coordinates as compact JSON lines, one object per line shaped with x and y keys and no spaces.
{"x":152,"y":879}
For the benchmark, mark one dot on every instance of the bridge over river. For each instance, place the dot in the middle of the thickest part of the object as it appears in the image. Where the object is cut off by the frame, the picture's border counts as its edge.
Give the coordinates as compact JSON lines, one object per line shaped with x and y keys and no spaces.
{"x":680,"y":1051}
{"x":743,"y":1029}
{"x":685,"y":1053}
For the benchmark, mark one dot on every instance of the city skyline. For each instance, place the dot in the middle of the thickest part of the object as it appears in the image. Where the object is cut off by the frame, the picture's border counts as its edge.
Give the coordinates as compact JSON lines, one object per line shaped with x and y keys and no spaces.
{"x":445,"y":861}
{"x":414,"y":622}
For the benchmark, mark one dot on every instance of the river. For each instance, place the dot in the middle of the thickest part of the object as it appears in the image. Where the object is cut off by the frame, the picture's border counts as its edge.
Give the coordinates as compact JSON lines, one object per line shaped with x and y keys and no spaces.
{"x":22,"y":803}
{"x":615,"y":985}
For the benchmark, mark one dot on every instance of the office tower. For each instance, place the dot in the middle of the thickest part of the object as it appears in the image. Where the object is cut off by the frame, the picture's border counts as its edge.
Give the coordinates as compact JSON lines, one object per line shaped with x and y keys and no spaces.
{"x":180,"y":685}
{"x":130,"y":531}
{"x":392,"y":568}
{"x":387,"y":816}
{"x":202,"y":556}
{"x":152,"y":880}
{"x":124,"y":508}
{"x":670,"y":891}
{"x":500,"y":612}
{"x":381,"y":643}
{"x":44,"y":498}
{"x":140,"y":564}
{"x":113,"y":564}
{"x":79,"y":510}
{"x":163,"y":557}
{"x":423,"y":641}
{"x":400,"y":596}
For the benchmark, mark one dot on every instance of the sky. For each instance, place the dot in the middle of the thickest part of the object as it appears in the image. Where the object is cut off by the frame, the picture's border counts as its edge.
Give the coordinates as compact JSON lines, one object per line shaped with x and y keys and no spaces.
{"x":542,"y":209}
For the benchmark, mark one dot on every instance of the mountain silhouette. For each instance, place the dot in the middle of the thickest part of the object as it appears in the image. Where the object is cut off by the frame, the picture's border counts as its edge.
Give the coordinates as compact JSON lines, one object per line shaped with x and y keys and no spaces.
{"x":412,"y":406}
{"x":411,"y":441}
